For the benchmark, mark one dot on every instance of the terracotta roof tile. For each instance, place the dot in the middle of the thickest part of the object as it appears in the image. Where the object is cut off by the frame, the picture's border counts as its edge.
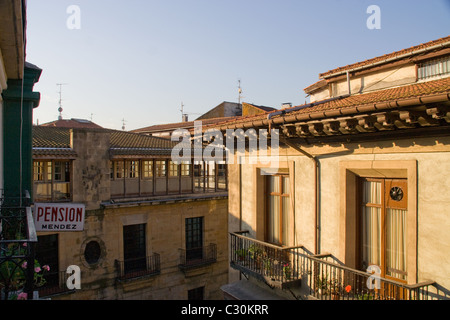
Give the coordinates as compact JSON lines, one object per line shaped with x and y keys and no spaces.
{"x":428,"y":88}
{"x":55,"y":141}
{"x":71,"y":123}
{"x":382,"y":58}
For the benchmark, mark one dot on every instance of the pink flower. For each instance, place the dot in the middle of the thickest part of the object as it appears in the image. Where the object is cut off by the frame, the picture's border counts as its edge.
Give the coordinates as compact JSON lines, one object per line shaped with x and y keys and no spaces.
{"x":24,"y":265}
{"x":37,"y":269}
{"x":46,"y":267}
{"x":22,"y":296}
{"x":24,"y":244}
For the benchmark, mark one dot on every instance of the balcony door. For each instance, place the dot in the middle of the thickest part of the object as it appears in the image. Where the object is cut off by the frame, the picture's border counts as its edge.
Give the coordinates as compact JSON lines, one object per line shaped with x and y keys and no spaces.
{"x":383,"y":226}
{"x":194,"y":239}
{"x":134,"y":250}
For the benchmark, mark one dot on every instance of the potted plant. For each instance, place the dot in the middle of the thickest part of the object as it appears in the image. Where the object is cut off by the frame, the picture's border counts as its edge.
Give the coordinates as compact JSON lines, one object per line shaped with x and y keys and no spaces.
{"x":287,"y":271}
{"x":13,"y":274}
{"x":241,"y":254}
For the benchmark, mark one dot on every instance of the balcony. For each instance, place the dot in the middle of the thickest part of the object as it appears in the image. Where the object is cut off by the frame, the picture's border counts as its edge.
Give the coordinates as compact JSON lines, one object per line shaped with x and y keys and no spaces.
{"x":17,"y":239}
{"x":314,"y":275}
{"x":55,"y":284}
{"x":277,"y":266}
{"x":197,"y":257}
{"x":138,"y":267}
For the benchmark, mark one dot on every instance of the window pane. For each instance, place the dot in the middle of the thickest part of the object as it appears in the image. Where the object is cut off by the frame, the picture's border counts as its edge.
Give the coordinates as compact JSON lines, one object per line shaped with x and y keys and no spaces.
{"x":371,"y":236}
{"x":273,"y":217}
{"x":147,"y":168}
{"x":285,"y":218}
{"x":286,"y":185}
{"x":160,"y":168}
{"x":395,"y":243}
{"x":274,"y":184}
{"x":372,"y":192}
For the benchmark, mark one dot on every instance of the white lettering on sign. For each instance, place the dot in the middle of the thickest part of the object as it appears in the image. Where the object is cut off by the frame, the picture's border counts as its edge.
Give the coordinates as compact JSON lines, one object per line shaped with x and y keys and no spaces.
{"x":59,"y":216}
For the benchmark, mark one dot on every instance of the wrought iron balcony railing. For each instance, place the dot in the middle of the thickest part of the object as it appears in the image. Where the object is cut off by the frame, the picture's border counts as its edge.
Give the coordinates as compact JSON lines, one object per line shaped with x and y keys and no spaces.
{"x":138,"y":267}
{"x":197,"y":257}
{"x":17,"y":239}
{"x":287,"y":267}
{"x":55,"y":283}
{"x":275,"y":265}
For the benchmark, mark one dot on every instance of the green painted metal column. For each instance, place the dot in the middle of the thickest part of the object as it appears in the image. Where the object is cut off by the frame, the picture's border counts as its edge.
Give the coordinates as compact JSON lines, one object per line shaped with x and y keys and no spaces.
{"x":19,"y":100}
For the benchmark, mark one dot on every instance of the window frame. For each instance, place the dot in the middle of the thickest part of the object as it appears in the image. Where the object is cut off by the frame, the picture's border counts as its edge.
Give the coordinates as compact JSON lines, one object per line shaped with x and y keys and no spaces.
{"x":282,"y":233}
{"x":385,"y":204}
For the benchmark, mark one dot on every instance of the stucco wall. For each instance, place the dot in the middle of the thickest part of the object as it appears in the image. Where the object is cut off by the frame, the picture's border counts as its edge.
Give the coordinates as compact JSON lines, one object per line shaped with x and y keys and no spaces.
{"x":424,"y":162}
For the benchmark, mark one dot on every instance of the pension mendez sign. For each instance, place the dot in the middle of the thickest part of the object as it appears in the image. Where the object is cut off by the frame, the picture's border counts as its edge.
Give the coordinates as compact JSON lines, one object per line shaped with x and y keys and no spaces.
{"x":59,"y":216}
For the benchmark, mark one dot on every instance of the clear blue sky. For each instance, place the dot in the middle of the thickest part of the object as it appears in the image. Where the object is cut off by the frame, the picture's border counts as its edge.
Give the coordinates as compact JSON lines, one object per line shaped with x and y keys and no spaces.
{"x":139,"y":59}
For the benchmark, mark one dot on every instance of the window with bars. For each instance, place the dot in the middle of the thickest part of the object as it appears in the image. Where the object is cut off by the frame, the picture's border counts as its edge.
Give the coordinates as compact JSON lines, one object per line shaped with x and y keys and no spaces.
{"x":433,"y":68}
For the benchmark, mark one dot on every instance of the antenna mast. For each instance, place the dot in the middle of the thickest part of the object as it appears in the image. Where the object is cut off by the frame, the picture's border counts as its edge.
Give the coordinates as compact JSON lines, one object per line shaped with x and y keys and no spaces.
{"x":240,"y":91}
{"x":60,"y":109}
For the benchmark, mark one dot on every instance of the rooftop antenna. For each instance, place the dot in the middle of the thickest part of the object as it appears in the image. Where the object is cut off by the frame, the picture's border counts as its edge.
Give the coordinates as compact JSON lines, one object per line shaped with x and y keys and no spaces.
{"x":60,"y":109}
{"x":123,"y":124}
{"x":184,"y":116}
{"x":239,"y":91}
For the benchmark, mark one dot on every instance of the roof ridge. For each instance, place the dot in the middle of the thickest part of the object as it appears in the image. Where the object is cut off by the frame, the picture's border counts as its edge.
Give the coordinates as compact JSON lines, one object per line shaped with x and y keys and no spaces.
{"x":394,"y":54}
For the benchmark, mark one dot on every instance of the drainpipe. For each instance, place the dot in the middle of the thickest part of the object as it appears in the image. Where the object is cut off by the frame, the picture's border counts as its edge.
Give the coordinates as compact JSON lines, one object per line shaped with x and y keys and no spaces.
{"x":316,"y":191}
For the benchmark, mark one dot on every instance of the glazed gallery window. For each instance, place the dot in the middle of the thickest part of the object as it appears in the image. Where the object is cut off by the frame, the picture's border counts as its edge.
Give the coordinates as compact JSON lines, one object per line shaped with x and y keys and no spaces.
{"x":433,"y":68}
{"x":383,"y":225}
{"x":160,"y":168}
{"x":277,"y":209}
{"x":147,"y":169}
{"x":51,"y":180}
{"x":124,"y":169}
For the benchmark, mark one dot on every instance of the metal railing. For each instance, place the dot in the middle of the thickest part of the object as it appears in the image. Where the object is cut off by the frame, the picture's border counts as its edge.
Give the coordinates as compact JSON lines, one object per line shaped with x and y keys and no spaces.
{"x":328,"y":280}
{"x":138,"y":267}
{"x":197,"y":257}
{"x":278,"y":266}
{"x":318,"y":277}
{"x":17,"y":239}
{"x":55,"y":283}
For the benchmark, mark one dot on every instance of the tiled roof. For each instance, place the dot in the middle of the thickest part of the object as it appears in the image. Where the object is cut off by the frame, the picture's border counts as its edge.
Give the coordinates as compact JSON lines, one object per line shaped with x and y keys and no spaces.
{"x":129,"y":143}
{"x":181,"y":125}
{"x":393,"y":55}
{"x":54,"y":141}
{"x":262,"y":108}
{"x":415,"y":90}
{"x":71,"y":123}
